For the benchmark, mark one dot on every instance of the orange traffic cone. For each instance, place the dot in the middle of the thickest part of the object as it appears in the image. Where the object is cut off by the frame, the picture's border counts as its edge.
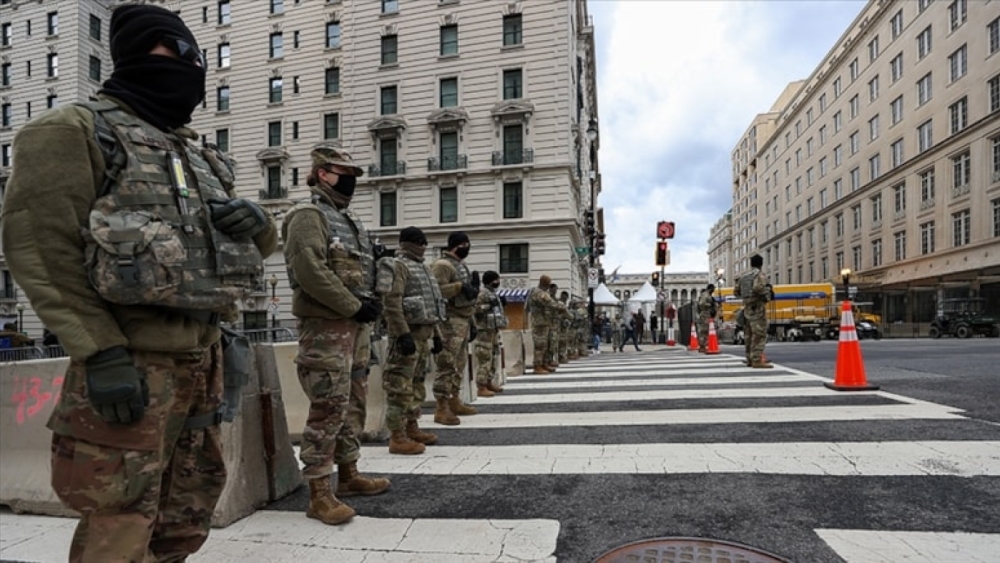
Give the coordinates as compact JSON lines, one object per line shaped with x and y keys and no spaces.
{"x":693,"y":341}
{"x":850,"y":375}
{"x":713,"y":338}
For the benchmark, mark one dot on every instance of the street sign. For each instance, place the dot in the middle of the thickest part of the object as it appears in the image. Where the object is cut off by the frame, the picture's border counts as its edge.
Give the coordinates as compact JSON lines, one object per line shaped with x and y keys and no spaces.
{"x":592,"y":277}
{"x":662,"y":295}
{"x":665,"y":229}
{"x":273,"y":307}
{"x":582,"y":249}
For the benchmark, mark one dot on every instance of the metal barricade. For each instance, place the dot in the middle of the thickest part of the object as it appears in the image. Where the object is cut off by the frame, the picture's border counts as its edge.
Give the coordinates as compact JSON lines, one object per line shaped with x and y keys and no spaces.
{"x":274,"y":334}
{"x":21,"y":354}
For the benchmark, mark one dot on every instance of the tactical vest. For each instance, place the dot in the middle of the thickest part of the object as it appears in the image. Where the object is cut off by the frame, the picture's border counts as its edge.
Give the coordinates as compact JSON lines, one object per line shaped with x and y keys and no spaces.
{"x":746,"y":284}
{"x":423,"y":303}
{"x":150,"y":240}
{"x":539,"y":315}
{"x":494,"y":319}
{"x":460,"y":300}
{"x":349,"y":250}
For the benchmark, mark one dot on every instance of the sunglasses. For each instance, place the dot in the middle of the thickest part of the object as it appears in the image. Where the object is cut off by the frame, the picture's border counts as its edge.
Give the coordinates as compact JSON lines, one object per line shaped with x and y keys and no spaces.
{"x":186,"y":51}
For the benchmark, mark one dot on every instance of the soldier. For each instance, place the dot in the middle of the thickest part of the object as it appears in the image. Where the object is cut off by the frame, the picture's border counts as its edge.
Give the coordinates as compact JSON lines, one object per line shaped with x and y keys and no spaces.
{"x":540,"y":303}
{"x":414,"y":310}
{"x":617,"y":333}
{"x":460,"y":287}
{"x":565,"y":328}
{"x":104,"y":197}
{"x":706,"y":311}
{"x":555,"y":327}
{"x":491,"y":319}
{"x":755,"y":292}
{"x":331,"y":269}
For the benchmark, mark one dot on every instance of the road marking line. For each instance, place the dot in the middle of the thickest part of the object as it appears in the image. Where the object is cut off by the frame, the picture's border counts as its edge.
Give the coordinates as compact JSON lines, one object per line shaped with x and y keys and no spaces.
{"x":876,"y":546}
{"x":674,"y":394}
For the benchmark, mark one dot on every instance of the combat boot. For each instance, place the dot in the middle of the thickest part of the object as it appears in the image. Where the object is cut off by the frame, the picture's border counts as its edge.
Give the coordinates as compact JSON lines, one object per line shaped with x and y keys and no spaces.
{"x":552,"y":367}
{"x":484,"y":391}
{"x":494,"y":387}
{"x":351,"y":483}
{"x":414,"y":433}
{"x":443,"y":414}
{"x":460,"y":408}
{"x":539,"y":369}
{"x":325,"y":507}
{"x":400,"y":443}
{"x":762,"y":365}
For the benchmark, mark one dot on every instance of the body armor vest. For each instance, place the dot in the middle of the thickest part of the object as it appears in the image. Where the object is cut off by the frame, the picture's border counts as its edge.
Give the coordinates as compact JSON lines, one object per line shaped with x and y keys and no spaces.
{"x":150,"y":239}
{"x":349,"y":248}
{"x":494,"y":319}
{"x":460,"y":300}
{"x":746,"y":284}
{"x":423,"y":303}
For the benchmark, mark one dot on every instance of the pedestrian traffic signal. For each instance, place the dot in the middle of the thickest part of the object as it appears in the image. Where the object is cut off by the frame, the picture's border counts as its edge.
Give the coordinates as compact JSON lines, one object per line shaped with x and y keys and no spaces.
{"x":661,"y":254}
{"x":588,"y":222}
{"x":599,"y":244}
{"x":656,"y":279}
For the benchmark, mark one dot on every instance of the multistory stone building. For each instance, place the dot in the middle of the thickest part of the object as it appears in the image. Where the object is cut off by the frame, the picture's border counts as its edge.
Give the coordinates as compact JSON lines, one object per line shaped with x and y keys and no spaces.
{"x":466,"y":115}
{"x":885,"y":161}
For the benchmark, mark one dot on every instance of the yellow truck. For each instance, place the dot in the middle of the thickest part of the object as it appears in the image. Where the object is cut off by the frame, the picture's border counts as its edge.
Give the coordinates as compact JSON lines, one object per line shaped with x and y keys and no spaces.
{"x":797,"y":312}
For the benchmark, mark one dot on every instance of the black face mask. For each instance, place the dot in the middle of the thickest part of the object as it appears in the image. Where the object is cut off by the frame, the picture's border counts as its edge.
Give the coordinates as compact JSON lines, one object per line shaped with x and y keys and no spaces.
{"x":495,"y":285}
{"x":161,"y":90}
{"x":462,"y":252}
{"x":345,"y":185}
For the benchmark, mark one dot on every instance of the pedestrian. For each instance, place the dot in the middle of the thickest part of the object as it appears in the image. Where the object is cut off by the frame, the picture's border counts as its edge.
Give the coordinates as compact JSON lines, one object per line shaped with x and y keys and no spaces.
{"x":331,"y":270}
{"x":490,"y":320}
{"x":540,"y":307}
{"x":640,"y":326}
{"x":628,"y":331}
{"x":654,"y":325}
{"x":706,"y":311}
{"x":136,"y":445}
{"x":460,"y":287}
{"x":597,"y":329}
{"x":755,"y":292}
{"x":414,"y":311}
{"x":555,"y":327}
{"x":617,"y":333}
{"x":565,"y":328}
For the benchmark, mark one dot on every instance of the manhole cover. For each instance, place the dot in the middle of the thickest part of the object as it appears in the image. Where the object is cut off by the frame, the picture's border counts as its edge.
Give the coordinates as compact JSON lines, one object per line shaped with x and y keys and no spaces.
{"x":687,"y":550}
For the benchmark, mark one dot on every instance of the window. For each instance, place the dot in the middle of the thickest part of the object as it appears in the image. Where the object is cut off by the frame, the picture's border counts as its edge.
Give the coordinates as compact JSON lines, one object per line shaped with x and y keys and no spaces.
{"x":389,"y":50}
{"x":390,"y":6}
{"x":899,"y":245}
{"x":837,"y":87}
{"x":873,"y":128}
{"x":274,"y":134}
{"x":222,"y":139}
{"x":53,"y":21}
{"x":924,"y":89}
{"x":996,"y":217}
{"x":512,"y":29}
{"x":277,"y":6}
{"x":993,"y":93}
{"x":275,"y":90}
{"x":853,"y":67}
{"x":277,"y":46}
{"x":896,"y":24}
{"x":295,"y":136}
{"x":448,"y":151}
{"x":927,"y":237}
{"x":822,"y":103}
{"x":958,"y":63}
{"x":961,"y":228}
{"x":896,"y":149}
{"x":513,"y":144}
{"x":824,"y":267}
{"x":6,"y":115}
{"x":512,"y":85}
{"x":873,"y":89}
{"x":856,"y":252}
{"x":274,"y":182}
{"x":922,"y":5}
{"x":513,"y":258}
{"x":822,"y":135}
{"x":388,"y":163}
{"x":387,"y":209}
{"x":838,"y":121}
{"x":95,"y":27}
{"x":961,"y":168}
{"x":224,"y":55}
{"x":513,"y":200}
{"x":958,"y":114}
{"x":896,"y":67}
{"x":449,"y":204}
{"x":876,"y":202}
{"x":856,"y":215}
{"x":899,"y":199}
{"x":449,"y":40}
{"x":225,"y":13}
{"x":855,"y":179}
{"x":924,"y":43}
{"x":855,"y":106}
{"x":5,"y":34}
{"x":853,"y":140}
{"x":993,"y":36}
{"x":838,"y":224}
{"x":874,"y":167}
{"x":873,"y":49}
{"x":822,"y":167}
{"x":876,"y":253}
{"x":51,"y":101}
{"x":5,"y":74}
{"x":995,"y":155}
{"x":387,"y":98}
{"x":7,"y":156}
{"x":331,"y":126}
{"x":809,"y":116}
{"x":333,"y":35}
{"x":896,"y":110}
{"x":53,"y":65}
{"x":95,"y":68}
{"x":295,"y":39}
{"x":926,"y":187}
{"x":838,"y":155}
{"x":957,"y":14}
{"x":449,"y":92}
{"x":222,"y":98}
{"x":331,"y":80}
{"x":824,"y":232}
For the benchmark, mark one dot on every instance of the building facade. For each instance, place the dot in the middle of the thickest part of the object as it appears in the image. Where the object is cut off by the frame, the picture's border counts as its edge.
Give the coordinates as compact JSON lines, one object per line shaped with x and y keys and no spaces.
{"x":472,"y":116}
{"x":885,"y":161}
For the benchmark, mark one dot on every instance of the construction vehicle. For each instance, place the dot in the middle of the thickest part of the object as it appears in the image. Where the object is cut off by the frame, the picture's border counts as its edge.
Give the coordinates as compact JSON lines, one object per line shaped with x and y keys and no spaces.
{"x":798,"y":312}
{"x":963,"y":318}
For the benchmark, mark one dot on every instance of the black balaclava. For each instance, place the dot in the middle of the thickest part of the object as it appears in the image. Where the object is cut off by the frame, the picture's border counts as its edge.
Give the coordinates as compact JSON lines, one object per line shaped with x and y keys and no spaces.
{"x":161,"y":90}
{"x":413,"y":241}
{"x":491,"y":279}
{"x":456,"y":238}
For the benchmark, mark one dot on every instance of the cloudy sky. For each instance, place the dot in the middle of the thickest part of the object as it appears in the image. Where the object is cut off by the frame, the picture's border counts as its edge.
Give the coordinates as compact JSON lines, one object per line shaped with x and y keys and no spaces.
{"x":678,"y":82}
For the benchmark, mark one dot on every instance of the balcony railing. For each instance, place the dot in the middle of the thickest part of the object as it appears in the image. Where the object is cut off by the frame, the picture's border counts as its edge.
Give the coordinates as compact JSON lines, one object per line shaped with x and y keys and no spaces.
{"x":397,"y":168}
{"x":501,"y":158}
{"x":926,"y":204}
{"x":9,"y":292}
{"x":449,"y":162}
{"x":278,"y":192}
{"x":959,"y":191}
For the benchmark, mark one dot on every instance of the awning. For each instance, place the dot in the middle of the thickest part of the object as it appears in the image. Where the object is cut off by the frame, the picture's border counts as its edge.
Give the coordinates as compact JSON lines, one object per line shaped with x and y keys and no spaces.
{"x":514,"y":295}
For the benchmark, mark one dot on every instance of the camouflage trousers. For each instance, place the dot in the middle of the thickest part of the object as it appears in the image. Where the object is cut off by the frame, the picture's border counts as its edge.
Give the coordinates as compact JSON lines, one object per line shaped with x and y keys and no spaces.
{"x":616,"y":340}
{"x":325,"y":363}
{"x":564,"y":345}
{"x":702,"y":326}
{"x":403,"y":379}
{"x":486,"y":348}
{"x":755,"y":334}
{"x":540,"y":341}
{"x":357,"y":407}
{"x":145,"y":491}
{"x":552,"y":352}
{"x":452,"y":361}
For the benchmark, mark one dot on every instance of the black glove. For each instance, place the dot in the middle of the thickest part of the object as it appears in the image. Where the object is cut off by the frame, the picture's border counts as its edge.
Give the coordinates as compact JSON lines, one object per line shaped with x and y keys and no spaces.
{"x":474,"y":279}
{"x":473,"y":331}
{"x":407,"y":346}
{"x":438,"y":345}
{"x":470,"y":291}
{"x":369,"y":311}
{"x":238,"y":218}
{"x":116,"y":390}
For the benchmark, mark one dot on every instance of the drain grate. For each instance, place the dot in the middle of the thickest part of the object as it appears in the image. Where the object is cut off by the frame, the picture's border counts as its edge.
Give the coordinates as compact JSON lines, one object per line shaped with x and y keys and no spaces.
{"x":687,"y":550}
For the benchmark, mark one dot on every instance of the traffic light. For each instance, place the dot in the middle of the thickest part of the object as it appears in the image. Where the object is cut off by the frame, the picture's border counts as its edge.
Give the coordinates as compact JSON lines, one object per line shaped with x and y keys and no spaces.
{"x":599,"y":244}
{"x":588,"y":222}
{"x":661,"y":253}
{"x":656,"y":279}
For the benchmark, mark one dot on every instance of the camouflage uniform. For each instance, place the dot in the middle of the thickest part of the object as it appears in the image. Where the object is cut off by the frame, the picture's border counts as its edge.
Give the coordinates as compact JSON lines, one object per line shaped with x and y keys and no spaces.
{"x":556,"y":314}
{"x":451,"y":363}
{"x":490,"y":319}
{"x":755,"y":293}
{"x":706,"y":311}
{"x":616,"y":333}
{"x":540,"y":305}
{"x":357,"y":406}
{"x":565,"y":325}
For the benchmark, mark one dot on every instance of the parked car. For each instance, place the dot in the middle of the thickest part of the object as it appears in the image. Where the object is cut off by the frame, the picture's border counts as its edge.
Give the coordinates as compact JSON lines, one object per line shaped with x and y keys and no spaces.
{"x":964,"y":317}
{"x":867,"y":329}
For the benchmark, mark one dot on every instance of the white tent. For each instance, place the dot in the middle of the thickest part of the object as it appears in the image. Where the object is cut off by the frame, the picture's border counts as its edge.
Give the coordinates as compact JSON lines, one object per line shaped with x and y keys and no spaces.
{"x":646,"y":294}
{"x":603,"y":296}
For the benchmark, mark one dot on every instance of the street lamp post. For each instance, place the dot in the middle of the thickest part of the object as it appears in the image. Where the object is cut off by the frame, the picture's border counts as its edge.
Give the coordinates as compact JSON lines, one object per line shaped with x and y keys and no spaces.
{"x":20,"y":317}
{"x":592,"y":136}
{"x":274,"y":303}
{"x":845,"y":276}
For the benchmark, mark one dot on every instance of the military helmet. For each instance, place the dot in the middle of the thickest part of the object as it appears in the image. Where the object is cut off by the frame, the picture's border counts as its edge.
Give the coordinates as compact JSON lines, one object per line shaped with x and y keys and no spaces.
{"x":331,"y":153}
